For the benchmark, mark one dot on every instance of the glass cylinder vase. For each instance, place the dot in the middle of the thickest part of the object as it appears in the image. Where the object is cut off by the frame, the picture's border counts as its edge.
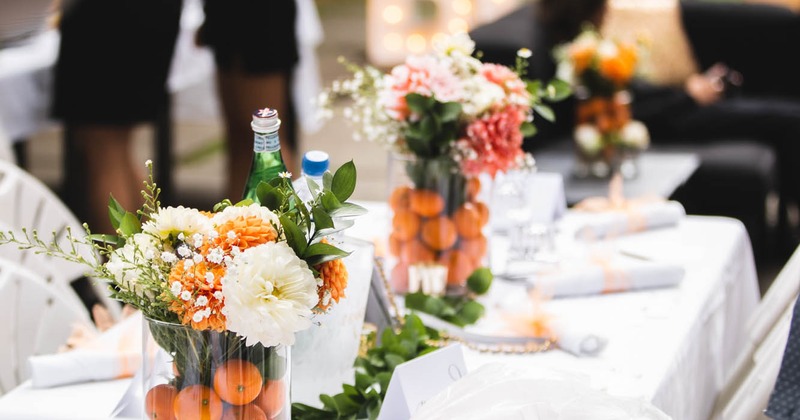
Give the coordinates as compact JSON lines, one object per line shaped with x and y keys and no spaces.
{"x":438,"y":225}
{"x":600,"y":147}
{"x":191,"y":374}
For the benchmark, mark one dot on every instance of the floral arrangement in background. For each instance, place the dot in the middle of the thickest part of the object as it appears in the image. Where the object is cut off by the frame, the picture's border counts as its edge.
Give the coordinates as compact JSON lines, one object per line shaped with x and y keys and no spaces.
{"x":448,"y":104}
{"x":601,"y":70}
{"x":448,"y":117}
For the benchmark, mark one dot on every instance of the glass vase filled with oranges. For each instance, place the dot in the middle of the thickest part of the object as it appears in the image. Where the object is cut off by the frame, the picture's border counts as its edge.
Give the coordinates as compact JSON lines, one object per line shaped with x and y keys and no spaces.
{"x":438,"y":225}
{"x":192,"y":374}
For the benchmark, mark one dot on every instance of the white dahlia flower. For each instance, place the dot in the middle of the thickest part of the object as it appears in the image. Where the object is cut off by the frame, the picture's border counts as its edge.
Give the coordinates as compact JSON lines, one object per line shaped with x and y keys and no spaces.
{"x":173,"y":221}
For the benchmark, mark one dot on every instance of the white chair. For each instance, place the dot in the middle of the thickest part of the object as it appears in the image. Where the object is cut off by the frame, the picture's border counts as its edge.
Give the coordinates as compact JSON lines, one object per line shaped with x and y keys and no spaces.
{"x":27,"y":203}
{"x":36,"y":319}
{"x":759,"y":361}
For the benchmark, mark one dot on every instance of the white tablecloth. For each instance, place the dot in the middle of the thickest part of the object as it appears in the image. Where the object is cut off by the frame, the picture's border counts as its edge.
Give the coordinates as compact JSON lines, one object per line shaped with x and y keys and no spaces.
{"x":671,"y":347}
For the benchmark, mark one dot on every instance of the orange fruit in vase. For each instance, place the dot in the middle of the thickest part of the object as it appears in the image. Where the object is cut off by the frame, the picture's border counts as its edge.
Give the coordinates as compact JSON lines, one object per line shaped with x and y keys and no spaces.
{"x":439,"y":233}
{"x":400,"y":277}
{"x":399,"y":199}
{"x":483,"y":211}
{"x":468,"y":221}
{"x":405,"y":224}
{"x":395,"y":245}
{"x":459,"y":267}
{"x":426,"y":203}
{"x":158,"y":402}
{"x":415,"y":251}
{"x":238,"y":381}
{"x":272,"y":398}
{"x":475,"y":248}
{"x":197,"y":402}
{"x":244,"y":412}
{"x":473,"y":188}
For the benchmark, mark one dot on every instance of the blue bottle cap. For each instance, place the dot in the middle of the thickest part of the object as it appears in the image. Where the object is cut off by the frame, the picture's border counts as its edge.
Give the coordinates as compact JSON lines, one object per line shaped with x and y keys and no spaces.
{"x":315,"y":163}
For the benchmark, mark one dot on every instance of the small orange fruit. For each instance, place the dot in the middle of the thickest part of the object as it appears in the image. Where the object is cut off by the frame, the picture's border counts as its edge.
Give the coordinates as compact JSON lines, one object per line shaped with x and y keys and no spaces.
{"x":426,"y":203}
{"x":238,"y":381}
{"x":197,"y":402}
{"x":158,"y":402}
{"x":405,"y":224}
{"x":399,"y":199}
{"x":400,"y":277}
{"x":468,"y":221}
{"x":415,"y":251}
{"x":244,"y":412}
{"x":459,"y":267}
{"x":439,"y":233}
{"x":475,"y":248}
{"x":395,"y":245}
{"x":272,"y":398}
{"x":483,"y":210}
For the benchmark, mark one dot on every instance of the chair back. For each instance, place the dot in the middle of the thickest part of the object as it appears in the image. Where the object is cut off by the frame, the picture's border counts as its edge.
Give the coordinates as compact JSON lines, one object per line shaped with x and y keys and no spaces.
{"x":26,"y":203}
{"x":36,"y":319}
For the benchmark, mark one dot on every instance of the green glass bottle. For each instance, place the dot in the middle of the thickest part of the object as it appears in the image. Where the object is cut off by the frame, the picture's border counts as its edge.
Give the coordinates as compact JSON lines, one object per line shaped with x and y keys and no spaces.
{"x":267,"y":160}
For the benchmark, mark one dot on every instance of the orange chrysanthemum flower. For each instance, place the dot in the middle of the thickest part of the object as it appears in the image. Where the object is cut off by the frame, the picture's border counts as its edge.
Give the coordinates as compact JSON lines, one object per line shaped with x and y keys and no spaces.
{"x":197,"y":290}
{"x":334,"y":282}
{"x":244,"y":232}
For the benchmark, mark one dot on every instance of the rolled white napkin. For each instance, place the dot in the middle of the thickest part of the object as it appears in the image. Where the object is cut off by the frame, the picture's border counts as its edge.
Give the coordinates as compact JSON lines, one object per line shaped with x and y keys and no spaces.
{"x":117,"y":353}
{"x":600,"y":278}
{"x":634,"y":218}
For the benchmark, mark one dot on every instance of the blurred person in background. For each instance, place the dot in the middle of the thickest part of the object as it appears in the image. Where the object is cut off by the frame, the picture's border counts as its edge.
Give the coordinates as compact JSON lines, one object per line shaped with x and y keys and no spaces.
{"x":707,"y":107}
{"x":111,"y":75}
{"x":255,"y":49}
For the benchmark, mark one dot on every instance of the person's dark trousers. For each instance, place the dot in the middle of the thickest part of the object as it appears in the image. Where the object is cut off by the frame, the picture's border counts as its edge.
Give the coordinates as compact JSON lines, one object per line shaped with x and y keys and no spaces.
{"x":784,"y":403}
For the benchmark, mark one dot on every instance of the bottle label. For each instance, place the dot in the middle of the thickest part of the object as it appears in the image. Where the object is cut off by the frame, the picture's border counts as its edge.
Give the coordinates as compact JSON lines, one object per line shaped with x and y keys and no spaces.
{"x":266,"y":142}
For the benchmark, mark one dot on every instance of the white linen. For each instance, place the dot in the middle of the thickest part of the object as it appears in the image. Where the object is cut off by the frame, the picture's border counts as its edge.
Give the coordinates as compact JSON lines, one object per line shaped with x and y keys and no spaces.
{"x":114,"y":354}
{"x":511,"y":393}
{"x":654,"y":215}
{"x":614,"y":277}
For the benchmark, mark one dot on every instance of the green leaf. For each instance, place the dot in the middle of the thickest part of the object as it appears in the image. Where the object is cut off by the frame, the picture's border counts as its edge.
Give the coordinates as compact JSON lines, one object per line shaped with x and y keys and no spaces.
{"x":434,"y":306}
{"x":115,"y":212}
{"x":294,"y":236}
{"x":327,"y":401}
{"x":545,"y":111}
{"x":363,"y":381}
{"x":320,"y":248}
{"x":416,"y":300}
{"x":327,"y":180}
{"x":340,"y":224}
{"x":415,"y":142}
{"x":269,"y":196}
{"x":533,"y":87}
{"x":351,"y":391}
{"x":345,"y":405}
{"x":348,"y":210}
{"x":418,"y":103}
{"x":383,"y":379}
{"x":330,"y":202}
{"x":113,"y":240}
{"x":528,"y":129}
{"x":449,"y":111}
{"x":393,"y":360}
{"x":130,"y":225}
{"x":472,"y":312}
{"x":557,"y":90}
{"x":321,"y":218}
{"x":344,"y":181}
{"x":428,"y":128}
{"x":480,"y":280}
{"x":313,"y":187}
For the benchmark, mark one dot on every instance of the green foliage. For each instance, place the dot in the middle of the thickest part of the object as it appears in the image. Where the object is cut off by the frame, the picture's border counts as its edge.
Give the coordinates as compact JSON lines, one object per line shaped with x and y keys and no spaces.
{"x":305,"y":224}
{"x":373,"y":372}
{"x":436,"y":128}
{"x":460,"y":310}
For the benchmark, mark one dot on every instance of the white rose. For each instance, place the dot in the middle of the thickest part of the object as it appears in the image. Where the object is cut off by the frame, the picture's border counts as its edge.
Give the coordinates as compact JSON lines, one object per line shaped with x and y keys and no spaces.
{"x":589,"y":139}
{"x":635,"y":135}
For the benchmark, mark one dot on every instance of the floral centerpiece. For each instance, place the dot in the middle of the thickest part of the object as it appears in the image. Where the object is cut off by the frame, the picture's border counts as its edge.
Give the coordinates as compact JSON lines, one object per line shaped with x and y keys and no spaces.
{"x":223,"y":292}
{"x":601,"y":71}
{"x":447,"y":118}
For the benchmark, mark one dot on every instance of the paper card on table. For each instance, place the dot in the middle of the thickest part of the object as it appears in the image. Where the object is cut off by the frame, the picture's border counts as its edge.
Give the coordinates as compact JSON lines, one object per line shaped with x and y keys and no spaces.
{"x":550,"y":201}
{"x":418,"y":380}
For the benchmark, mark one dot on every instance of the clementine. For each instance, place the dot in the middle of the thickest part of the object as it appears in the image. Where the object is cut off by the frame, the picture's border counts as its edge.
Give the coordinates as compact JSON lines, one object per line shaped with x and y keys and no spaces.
{"x":244,"y":412}
{"x":468,"y":221}
{"x":415,"y":251}
{"x":400,"y":277}
{"x":459,"y":267}
{"x":272,"y":398}
{"x":405,"y":224}
{"x":399,"y":199}
{"x":473,"y":188}
{"x":197,"y":402}
{"x":439,"y":233}
{"x":238,"y":381}
{"x":395,"y":245}
{"x":426,"y":203}
{"x":483,"y":210}
{"x":158,"y":402}
{"x":475,"y":248}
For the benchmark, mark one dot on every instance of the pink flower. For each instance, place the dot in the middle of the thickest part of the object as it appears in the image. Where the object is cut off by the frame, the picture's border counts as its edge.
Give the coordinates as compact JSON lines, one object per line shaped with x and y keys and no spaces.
{"x":424,"y":75}
{"x":509,"y":81}
{"x":493,"y":143}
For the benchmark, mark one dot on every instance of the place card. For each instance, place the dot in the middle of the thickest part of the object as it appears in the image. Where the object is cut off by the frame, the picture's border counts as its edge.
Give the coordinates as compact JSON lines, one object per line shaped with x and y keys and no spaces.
{"x":416,"y":381}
